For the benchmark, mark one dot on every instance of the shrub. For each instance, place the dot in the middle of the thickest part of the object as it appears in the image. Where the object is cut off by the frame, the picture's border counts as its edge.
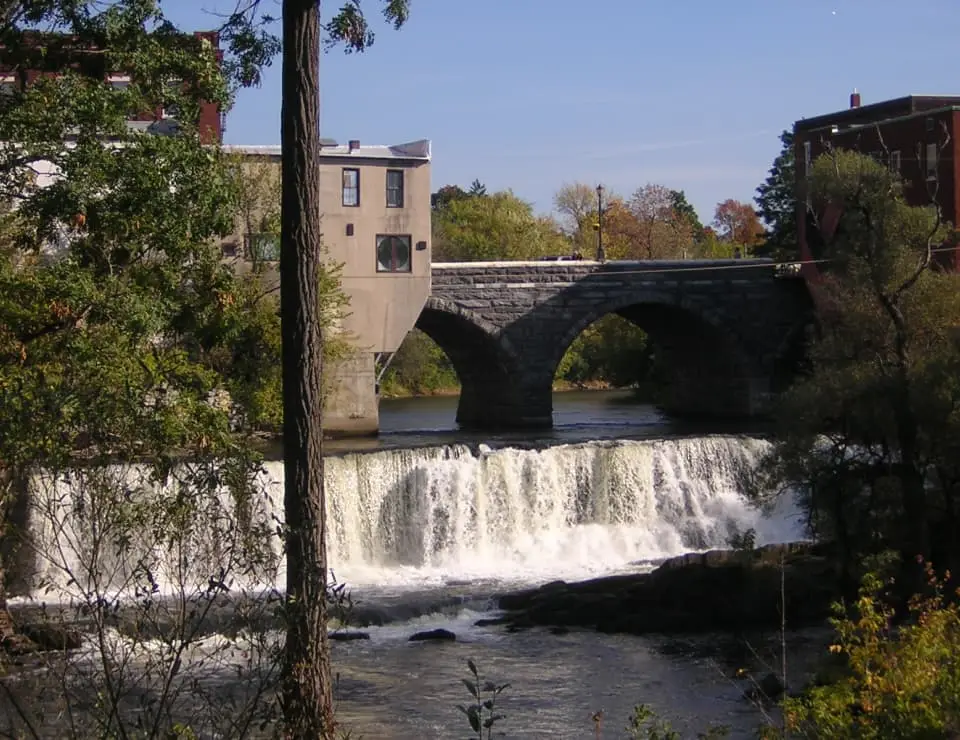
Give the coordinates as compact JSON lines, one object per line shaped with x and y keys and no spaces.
{"x":901,"y":681}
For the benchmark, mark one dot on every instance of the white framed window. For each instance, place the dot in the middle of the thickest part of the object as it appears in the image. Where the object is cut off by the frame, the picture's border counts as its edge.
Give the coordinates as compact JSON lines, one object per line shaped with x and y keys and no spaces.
{"x":394,"y":253}
{"x":807,"y":158}
{"x":931,"y":162}
{"x":119,"y":82}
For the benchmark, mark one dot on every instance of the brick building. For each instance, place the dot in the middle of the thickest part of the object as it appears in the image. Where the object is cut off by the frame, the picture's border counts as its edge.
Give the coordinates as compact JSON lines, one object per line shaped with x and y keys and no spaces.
{"x":67,"y":54}
{"x":916,"y":135}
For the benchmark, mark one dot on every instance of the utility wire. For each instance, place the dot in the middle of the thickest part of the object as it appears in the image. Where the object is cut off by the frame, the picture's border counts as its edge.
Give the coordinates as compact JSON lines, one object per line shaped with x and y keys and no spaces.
{"x":742,"y":264}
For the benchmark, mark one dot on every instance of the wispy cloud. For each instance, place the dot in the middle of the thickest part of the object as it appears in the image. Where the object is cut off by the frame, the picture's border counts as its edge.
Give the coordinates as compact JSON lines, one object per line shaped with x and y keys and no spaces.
{"x":597,"y":152}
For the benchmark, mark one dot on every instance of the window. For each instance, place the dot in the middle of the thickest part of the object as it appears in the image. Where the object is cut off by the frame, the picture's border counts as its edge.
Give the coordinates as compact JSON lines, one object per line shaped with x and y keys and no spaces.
{"x":931,"y":161}
{"x":393,"y":253}
{"x":351,"y":187}
{"x":170,"y":108}
{"x":8,"y":86}
{"x":807,"y":158}
{"x":895,"y":160}
{"x":394,"y":188}
{"x":119,"y":83}
{"x":262,"y":247}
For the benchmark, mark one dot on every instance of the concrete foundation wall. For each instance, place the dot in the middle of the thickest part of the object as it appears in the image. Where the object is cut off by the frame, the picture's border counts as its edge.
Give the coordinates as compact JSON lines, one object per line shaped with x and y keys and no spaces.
{"x":351,"y":409}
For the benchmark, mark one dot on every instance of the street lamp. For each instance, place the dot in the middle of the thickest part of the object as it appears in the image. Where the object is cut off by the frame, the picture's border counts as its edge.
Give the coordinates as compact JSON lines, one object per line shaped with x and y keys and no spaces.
{"x":601,"y":257}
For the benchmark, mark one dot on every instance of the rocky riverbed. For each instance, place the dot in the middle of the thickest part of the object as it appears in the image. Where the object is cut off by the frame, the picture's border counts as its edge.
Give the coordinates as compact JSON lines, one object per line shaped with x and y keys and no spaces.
{"x":725,"y":590}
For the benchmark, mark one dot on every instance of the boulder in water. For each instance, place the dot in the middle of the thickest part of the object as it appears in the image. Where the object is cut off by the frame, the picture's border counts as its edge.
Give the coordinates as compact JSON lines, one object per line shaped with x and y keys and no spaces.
{"x":491,"y":622}
{"x":437,"y":635}
{"x":348,"y":636}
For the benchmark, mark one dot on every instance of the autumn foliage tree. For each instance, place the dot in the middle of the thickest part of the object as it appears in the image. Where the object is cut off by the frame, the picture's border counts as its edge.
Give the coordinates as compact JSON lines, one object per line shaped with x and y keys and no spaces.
{"x":661,"y":231}
{"x":737,"y":222}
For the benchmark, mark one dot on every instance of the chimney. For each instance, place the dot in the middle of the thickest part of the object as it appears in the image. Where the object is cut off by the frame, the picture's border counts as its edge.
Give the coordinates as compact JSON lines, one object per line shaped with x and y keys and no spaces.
{"x":354,"y":144}
{"x":854,"y":99}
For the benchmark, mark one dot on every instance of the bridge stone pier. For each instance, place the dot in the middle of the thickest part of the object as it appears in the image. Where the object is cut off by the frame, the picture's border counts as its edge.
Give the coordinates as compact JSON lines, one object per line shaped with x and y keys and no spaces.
{"x":731,"y":331}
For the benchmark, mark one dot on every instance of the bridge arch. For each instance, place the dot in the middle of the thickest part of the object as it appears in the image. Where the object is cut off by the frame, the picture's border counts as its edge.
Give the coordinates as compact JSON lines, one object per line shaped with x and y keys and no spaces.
{"x":712,"y":374}
{"x":486,"y":365}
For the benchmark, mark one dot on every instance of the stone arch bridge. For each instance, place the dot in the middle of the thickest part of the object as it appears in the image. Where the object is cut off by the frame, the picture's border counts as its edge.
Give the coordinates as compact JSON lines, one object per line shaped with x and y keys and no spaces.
{"x":731,"y":330}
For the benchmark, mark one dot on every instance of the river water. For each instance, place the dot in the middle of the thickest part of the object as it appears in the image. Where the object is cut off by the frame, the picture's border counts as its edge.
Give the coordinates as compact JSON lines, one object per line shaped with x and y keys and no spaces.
{"x":428,"y":524}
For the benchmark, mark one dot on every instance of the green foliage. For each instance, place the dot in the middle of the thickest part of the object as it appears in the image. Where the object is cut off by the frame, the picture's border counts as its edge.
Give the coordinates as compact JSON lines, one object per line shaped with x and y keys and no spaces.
{"x":711,"y":246}
{"x":901,"y":681}
{"x":112,"y":299}
{"x":482,"y":712}
{"x":868,"y":436}
{"x":612,"y":350}
{"x":686,"y":212}
{"x":419,"y":367}
{"x":645,"y":725}
{"x":442,"y":198}
{"x":776,"y":203}
{"x":493,"y":227}
{"x":350,"y":28}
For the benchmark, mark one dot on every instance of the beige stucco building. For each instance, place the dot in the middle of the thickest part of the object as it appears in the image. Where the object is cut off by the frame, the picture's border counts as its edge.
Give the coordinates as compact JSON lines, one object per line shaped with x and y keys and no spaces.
{"x":375,"y":213}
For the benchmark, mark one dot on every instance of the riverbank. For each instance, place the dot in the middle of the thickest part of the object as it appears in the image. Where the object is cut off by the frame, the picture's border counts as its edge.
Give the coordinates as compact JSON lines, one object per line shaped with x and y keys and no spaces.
{"x":560,"y":386}
{"x":720,"y":590}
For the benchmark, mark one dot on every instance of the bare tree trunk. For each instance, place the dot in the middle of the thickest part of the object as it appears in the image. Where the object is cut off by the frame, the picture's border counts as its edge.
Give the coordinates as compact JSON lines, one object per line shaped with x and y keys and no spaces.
{"x":306,"y":691}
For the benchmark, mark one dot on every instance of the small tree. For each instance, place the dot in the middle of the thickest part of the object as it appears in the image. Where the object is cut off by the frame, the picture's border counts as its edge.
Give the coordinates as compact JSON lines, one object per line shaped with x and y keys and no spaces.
{"x":867,"y":434}
{"x":900,"y":681}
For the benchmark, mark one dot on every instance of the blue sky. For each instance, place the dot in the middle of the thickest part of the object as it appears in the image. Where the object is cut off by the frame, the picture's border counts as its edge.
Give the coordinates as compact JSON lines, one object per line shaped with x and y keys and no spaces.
{"x":691,"y":94}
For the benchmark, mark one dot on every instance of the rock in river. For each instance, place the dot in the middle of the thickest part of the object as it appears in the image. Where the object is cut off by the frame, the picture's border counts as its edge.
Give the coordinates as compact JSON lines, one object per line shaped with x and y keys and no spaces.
{"x":717,"y":590}
{"x":433,"y":635}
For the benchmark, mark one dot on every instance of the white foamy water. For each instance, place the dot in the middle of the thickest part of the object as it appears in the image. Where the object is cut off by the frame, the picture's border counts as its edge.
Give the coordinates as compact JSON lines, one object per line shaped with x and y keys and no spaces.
{"x":404,"y":519}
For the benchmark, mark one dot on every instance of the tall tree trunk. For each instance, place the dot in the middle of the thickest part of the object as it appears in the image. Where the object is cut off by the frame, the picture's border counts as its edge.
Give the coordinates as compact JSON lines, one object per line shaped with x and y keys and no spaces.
{"x":306,"y":690}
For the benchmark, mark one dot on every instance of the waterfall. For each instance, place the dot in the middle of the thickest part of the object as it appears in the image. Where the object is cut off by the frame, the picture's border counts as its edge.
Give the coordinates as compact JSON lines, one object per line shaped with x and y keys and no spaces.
{"x":434,"y":515}
{"x":563,"y":511}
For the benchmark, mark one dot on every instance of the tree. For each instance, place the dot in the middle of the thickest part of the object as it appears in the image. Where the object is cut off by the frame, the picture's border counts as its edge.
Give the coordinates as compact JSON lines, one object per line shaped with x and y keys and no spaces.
{"x":711,"y":246}
{"x":685,"y":212}
{"x":737,"y":223}
{"x":258,"y":185}
{"x":307,"y":687}
{"x":661,"y":232}
{"x":577,"y":205}
{"x":118,"y":320}
{"x":776,"y":202}
{"x":869,"y":435}
{"x":494,"y":227}
{"x":477,"y":189}
{"x":445,"y":195}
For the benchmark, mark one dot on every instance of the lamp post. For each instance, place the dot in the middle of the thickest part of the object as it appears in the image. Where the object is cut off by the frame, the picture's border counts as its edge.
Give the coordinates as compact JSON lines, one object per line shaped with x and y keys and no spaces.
{"x":601,"y":256}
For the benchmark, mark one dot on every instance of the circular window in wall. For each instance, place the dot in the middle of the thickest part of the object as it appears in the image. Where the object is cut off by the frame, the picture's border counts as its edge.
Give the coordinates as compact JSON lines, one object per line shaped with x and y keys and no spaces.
{"x":393,"y":253}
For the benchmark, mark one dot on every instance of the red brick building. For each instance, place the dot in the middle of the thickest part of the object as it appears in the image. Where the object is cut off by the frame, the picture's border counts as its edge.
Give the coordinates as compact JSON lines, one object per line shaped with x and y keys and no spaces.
{"x":915,"y":135}
{"x":158,"y":120}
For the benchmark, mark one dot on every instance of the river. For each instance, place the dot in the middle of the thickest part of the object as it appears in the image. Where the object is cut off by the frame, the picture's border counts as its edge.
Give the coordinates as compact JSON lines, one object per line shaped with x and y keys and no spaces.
{"x":428,"y":523}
